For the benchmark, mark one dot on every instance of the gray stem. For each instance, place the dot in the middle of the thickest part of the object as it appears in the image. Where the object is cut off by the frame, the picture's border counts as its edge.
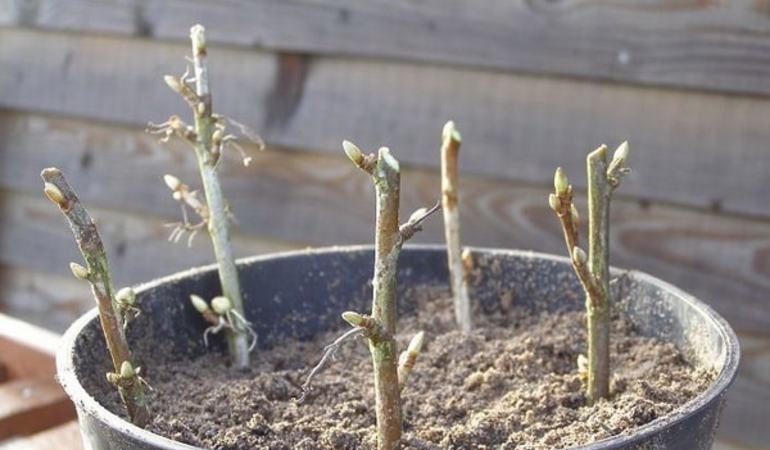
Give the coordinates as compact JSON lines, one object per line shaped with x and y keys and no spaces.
{"x":387,"y":182}
{"x":597,"y":302}
{"x":218,"y":225}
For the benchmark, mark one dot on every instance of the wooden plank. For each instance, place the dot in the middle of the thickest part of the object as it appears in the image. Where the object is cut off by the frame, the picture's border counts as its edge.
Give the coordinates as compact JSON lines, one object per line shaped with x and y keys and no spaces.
{"x":25,"y":350}
{"x":520,"y":127}
{"x":303,"y":197}
{"x":65,"y":436}
{"x":34,"y":236}
{"x":687,"y":43}
{"x":31,"y":405}
{"x":722,"y":444}
{"x":283,"y":195}
{"x":52,"y":300}
{"x":744,"y":419}
{"x":294,"y":195}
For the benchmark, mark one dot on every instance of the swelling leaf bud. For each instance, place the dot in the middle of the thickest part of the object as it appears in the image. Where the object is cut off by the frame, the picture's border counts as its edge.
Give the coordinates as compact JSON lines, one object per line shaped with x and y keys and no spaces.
{"x":199,"y":304}
{"x":221,"y":305}
{"x":78,"y":271}
{"x":560,"y":182}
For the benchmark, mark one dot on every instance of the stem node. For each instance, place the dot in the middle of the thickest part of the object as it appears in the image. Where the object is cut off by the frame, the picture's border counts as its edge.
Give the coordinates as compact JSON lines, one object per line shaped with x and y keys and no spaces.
{"x":97,"y":273}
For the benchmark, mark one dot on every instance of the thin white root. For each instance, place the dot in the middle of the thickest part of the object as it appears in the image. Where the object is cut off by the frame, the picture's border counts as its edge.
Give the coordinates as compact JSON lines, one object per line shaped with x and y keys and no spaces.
{"x":215,"y":329}
{"x":234,"y":321}
{"x":329,"y":352}
{"x":245,"y":325}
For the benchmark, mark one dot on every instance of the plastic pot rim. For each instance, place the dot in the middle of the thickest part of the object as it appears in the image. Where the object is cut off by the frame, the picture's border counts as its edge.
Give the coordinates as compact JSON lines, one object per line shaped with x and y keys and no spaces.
{"x":87,"y":404}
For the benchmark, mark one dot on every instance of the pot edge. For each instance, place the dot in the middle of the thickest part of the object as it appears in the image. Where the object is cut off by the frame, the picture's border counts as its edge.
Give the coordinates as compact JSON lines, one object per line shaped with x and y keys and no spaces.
{"x":65,"y":371}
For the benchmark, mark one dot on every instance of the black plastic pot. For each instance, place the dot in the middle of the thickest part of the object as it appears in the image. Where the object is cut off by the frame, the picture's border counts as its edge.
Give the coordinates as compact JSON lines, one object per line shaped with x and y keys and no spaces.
{"x":319,"y":284}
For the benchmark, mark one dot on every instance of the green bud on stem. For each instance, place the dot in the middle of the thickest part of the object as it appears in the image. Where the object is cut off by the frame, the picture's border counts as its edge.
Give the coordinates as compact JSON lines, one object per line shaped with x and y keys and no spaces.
{"x":126,"y":296}
{"x":221,"y":305}
{"x":353,"y":318}
{"x":78,"y":271}
{"x":172,"y":182}
{"x":579,"y":256}
{"x":199,"y":304}
{"x":127,"y":370}
{"x":353,"y":152}
{"x":554,"y":202}
{"x":560,"y":182}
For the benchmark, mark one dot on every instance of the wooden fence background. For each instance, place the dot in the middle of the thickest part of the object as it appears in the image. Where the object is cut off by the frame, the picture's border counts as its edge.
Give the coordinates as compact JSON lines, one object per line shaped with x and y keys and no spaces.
{"x":532,"y":84}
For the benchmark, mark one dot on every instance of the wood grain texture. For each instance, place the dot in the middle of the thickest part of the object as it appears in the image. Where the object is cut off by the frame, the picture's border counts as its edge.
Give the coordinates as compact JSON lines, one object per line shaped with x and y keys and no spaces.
{"x":31,"y":401}
{"x":295,"y":196}
{"x":704,"y":150}
{"x":25,"y":350}
{"x":52,"y":300}
{"x":711,"y":45}
{"x":66,"y":436}
{"x":32,"y":404}
{"x":517,"y":128}
{"x":305,"y":198}
{"x":34,"y":237}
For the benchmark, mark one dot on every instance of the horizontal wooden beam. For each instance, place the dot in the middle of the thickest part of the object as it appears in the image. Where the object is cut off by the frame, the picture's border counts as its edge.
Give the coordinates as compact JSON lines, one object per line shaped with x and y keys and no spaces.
{"x":51,"y":299}
{"x":702,"y":150}
{"x":61,"y":436}
{"x":34,"y":237}
{"x":31,"y":405}
{"x":721,"y":46}
{"x":25,"y":350}
{"x":299,"y":197}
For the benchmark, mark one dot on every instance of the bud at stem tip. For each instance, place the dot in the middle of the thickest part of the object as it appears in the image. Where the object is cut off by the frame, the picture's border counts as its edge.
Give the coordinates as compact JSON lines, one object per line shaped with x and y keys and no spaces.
{"x":353,"y":152}
{"x":53,"y":193}
{"x":450,"y":132}
{"x":172,"y":182}
{"x":560,"y":182}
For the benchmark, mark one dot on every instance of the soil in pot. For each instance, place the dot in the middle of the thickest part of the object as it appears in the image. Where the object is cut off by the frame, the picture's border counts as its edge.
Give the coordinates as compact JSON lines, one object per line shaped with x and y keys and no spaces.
{"x":512,"y":384}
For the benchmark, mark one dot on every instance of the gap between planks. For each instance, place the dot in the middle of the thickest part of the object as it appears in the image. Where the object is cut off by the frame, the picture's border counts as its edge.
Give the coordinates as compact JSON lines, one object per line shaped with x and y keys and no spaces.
{"x":636,"y":41}
{"x":523,"y":125}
